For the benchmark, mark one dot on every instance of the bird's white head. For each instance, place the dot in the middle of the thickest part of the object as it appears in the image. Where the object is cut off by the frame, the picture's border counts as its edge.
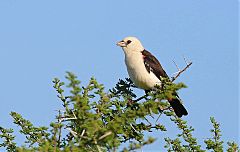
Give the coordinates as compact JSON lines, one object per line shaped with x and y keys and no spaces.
{"x":131,"y":44}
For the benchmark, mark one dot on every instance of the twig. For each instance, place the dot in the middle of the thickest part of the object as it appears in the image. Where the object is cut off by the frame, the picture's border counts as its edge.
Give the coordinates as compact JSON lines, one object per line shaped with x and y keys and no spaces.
{"x":105,"y":135}
{"x":140,"y":98}
{"x":98,"y":147}
{"x":59,"y":136}
{"x":162,"y":109}
{"x":181,"y":71}
{"x":150,"y":110}
{"x":185,"y":60}
{"x":133,"y":128}
{"x":82,"y":134}
{"x":57,"y":140}
{"x":60,"y":129}
{"x":147,"y":120}
{"x":72,"y":132}
{"x":66,"y":119}
{"x":176,"y":66}
{"x":158,"y":117}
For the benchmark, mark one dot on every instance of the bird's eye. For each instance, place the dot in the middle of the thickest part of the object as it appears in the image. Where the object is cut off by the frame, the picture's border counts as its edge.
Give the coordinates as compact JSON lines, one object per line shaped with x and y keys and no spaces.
{"x":129,"y":41}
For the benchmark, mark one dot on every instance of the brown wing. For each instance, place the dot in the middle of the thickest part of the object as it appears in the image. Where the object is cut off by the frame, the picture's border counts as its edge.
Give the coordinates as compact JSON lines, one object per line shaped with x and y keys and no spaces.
{"x":153,"y":65}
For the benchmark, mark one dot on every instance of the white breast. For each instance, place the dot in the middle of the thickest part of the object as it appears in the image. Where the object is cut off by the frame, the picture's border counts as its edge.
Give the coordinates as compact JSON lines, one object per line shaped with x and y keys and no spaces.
{"x":138,"y":73}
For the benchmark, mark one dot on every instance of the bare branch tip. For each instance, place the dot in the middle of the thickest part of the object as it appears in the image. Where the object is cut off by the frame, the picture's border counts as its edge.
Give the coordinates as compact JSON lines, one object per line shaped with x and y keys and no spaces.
{"x":188,"y":64}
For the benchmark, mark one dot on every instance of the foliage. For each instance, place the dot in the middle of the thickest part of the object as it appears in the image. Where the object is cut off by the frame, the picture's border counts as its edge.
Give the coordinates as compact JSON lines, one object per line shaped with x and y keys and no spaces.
{"x":96,"y":120}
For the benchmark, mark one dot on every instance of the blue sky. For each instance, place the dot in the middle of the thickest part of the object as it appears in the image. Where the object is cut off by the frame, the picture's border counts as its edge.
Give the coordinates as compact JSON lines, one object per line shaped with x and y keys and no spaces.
{"x":40,"y":40}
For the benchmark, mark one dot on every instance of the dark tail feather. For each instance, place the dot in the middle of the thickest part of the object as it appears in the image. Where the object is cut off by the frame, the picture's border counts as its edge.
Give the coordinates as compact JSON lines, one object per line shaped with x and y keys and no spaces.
{"x":178,"y":107}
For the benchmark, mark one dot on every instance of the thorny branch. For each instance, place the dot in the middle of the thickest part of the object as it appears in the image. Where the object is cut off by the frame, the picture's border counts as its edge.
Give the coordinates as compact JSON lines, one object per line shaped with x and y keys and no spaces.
{"x":188,"y":64}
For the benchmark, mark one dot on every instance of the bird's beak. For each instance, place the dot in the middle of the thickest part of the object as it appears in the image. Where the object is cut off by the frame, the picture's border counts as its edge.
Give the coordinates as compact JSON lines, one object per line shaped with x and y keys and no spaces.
{"x":121,"y":44}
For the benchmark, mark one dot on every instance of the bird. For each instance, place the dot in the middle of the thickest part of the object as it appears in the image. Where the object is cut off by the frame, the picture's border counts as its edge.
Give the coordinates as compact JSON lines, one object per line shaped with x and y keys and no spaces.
{"x":145,"y":71}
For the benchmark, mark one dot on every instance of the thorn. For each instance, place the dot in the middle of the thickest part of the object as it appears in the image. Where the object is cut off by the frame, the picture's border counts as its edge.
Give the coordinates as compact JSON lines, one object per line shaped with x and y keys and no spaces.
{"x":176,"y":65}
{"x":185,"y":60}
